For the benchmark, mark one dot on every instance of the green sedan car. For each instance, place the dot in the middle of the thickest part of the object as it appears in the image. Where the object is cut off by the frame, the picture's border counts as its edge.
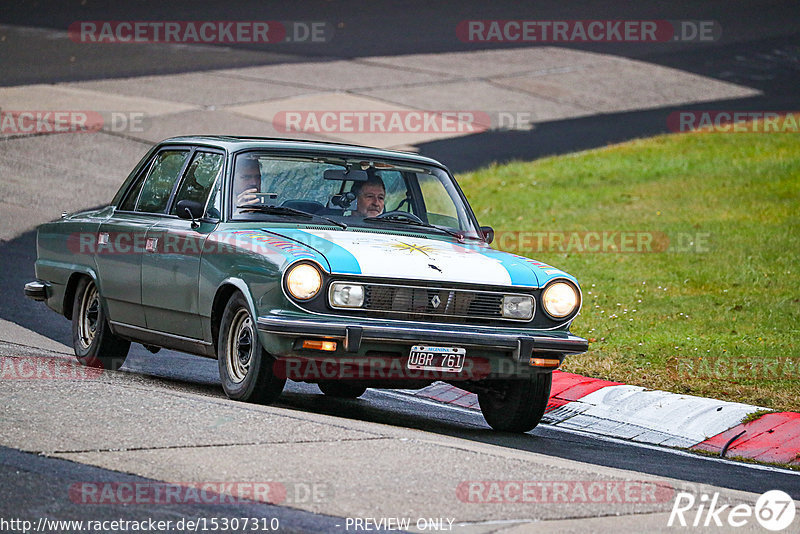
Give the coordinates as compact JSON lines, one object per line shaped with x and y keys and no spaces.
{"x":345,"y":266}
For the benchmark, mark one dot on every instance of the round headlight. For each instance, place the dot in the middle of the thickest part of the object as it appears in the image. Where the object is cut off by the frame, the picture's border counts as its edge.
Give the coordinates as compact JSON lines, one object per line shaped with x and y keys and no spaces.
{"x":303,"y":281}
{"x":560,"y":299}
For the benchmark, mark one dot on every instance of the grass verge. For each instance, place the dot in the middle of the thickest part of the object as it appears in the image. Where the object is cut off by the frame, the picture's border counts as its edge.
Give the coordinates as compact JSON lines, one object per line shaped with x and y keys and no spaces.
{"x":706,"y":300}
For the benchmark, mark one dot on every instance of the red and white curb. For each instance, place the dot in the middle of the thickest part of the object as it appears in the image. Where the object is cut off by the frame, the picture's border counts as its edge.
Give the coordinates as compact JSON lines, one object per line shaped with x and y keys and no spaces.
{"x":656,"y":417}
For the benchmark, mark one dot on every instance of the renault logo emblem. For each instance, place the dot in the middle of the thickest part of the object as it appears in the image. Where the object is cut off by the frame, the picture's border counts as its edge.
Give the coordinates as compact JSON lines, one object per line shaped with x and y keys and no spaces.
{"x":435,"y":301}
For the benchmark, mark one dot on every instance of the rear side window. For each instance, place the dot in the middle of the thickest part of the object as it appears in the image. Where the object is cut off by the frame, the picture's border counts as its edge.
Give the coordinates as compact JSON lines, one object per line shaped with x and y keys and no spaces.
{"x":158,"y":185}
{"x":196,"y":186}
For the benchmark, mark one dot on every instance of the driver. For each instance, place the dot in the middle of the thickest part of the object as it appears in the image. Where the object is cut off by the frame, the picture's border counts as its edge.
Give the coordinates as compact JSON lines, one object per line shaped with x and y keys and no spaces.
{"x":246,"y":181}
{"x":370,"y":197}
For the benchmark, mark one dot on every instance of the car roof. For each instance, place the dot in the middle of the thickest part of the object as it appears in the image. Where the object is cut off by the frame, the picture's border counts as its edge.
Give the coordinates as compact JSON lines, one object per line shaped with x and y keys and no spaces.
{"x":238,"y":143}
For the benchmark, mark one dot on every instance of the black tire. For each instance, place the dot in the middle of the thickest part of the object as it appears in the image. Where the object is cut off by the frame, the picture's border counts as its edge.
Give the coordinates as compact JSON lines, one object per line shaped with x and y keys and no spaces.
{"x":245,"y":368}
{"x":92,"y":340}
{"x":342,"y":390}
{"x":518,"y":405}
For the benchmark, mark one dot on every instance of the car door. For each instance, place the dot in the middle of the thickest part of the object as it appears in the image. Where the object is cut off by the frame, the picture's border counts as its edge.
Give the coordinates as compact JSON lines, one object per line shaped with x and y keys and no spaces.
{"x":171,"y":262}
{"x":121,"y":238}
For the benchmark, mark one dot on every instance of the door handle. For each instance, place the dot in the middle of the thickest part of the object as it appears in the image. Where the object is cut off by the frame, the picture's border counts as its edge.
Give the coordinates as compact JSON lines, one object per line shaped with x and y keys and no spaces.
{"x":102,"y":238}
{"x":151,"y":245}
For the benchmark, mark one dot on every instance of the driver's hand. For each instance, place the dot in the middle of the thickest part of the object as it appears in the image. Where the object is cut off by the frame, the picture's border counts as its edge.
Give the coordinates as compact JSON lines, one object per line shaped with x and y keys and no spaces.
{"x":247,"y":197}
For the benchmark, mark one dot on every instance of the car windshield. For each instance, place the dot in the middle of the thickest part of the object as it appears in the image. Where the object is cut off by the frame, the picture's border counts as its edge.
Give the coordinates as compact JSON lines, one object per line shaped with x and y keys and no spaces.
{"x":353,"y":192}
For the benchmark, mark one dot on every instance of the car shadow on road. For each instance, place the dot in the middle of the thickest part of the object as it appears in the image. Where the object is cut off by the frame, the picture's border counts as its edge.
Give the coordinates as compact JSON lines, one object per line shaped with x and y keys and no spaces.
{"x":545,"y":439}
{"x":194,"y":375}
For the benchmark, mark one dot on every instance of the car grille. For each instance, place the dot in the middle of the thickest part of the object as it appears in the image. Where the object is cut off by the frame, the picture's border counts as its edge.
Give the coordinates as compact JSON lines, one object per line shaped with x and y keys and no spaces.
{"x":432,"y":302}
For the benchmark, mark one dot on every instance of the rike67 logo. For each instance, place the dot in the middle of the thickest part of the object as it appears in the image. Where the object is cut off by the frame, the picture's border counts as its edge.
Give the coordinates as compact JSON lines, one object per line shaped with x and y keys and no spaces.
{"x":774,"y":511}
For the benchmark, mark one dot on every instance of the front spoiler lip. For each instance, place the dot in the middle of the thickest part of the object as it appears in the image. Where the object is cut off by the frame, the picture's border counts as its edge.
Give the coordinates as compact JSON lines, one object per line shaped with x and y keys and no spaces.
{"x":522,"y":345}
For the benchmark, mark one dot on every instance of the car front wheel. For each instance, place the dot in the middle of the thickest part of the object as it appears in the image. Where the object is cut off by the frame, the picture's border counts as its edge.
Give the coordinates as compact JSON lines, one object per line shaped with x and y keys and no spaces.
{"x":245,"y":368}
{"x":516,"y":405}
{"x":94,"y":344}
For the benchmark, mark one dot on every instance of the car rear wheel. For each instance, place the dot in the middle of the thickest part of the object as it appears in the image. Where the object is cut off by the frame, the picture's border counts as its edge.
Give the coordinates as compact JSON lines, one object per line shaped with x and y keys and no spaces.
{"x":516,"y":405}
{"x":245,"y":368}
{"x":342,"y":390}
{"x":94,"y":344}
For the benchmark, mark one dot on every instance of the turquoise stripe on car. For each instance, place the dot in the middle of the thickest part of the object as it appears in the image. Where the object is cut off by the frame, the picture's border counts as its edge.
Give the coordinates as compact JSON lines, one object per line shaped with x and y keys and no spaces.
{"x":520,"y":273}
{"x":339,"y":258}
{"x":264,"y":243}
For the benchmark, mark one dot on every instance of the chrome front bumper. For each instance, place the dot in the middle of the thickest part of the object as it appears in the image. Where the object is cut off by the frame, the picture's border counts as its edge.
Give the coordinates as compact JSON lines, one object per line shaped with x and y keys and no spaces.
{"x":522,"y":346}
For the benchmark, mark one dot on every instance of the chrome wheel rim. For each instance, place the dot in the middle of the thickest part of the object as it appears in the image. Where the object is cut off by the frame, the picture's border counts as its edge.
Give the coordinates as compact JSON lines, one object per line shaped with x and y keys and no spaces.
{"x":240,"y":346}
{"x":88,"y":316}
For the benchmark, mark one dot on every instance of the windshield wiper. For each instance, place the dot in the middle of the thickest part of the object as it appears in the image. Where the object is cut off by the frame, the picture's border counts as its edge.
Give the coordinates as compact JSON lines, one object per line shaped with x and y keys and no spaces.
{"x":399,"y":219}
{"x":285,"y":210}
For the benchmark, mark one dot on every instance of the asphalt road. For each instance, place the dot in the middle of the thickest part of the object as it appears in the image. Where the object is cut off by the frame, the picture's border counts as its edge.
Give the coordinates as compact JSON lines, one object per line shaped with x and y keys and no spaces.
{"x":361,"y":29}
{"x":109,"y":431}
{"x":399,"y":409}
{"x":759,"y":47}
{"x":33,"y":487}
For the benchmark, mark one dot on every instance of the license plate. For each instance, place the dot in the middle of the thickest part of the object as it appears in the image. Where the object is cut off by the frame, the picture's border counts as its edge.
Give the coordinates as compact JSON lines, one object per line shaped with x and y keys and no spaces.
{"x":447,"y":359}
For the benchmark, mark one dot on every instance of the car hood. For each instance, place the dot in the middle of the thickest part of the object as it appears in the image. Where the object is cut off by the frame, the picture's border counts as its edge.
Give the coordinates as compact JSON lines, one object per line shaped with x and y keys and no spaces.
{"x":409,"y":256}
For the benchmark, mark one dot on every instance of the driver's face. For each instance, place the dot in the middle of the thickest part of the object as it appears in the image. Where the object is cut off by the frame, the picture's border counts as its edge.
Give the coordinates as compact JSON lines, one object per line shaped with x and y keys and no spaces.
{"x":370,"y":200}
{"x":248,"y":178}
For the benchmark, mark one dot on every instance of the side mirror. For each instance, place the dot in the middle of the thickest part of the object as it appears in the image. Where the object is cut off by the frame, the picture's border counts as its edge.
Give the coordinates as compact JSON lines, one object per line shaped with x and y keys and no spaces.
{"x":190,"y":209}
{"x":488,"y":233}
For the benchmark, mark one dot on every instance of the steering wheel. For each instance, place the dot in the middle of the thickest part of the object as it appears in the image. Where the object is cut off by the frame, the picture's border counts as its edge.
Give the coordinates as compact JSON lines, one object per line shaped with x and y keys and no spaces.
{"x":400,"y":214}
{"x":406,"y":200}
